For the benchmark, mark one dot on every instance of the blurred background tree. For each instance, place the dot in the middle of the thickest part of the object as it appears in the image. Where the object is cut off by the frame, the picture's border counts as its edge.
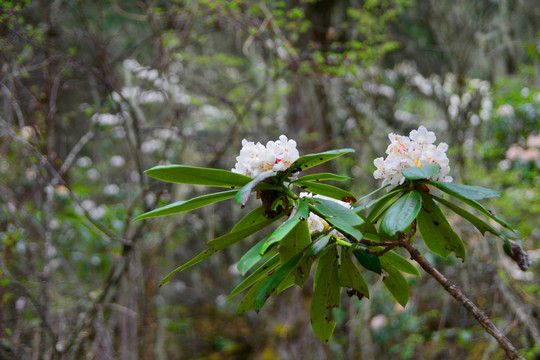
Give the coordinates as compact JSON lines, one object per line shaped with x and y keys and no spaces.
{"x":94,"y":93}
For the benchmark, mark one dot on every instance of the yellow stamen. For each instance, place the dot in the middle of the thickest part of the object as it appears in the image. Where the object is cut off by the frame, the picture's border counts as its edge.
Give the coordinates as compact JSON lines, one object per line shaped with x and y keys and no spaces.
{"x":416,"y":163}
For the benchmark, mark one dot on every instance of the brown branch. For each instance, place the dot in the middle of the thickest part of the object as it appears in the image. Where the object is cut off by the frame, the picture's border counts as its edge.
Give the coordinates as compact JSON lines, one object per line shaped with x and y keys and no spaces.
{"x":452,"y":289}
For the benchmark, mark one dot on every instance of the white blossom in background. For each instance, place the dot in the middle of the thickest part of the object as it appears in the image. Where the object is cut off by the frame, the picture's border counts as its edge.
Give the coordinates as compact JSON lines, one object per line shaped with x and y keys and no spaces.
{"x":108,"y":119}
{"x":315,"y":222}
{"x":84,"y":162}
{"x":505,"y":110}
{"x":254,"y":159}
{"x":415,"y":150}
{"x":117,"y":161}
{"x":111,"y":189}
{"x":533,"y":141}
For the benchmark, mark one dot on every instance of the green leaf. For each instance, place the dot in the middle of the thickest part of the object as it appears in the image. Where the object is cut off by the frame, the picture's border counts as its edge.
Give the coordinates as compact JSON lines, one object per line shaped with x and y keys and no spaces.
{"x":262,"y":271}
{"x":399,"y":262}
{"x":188,"y":205}
{"x":466,"y":191}
{"x":303,"y":267}
{"x":203,"y":255}
{"x":218,"y":244}
{"x":285,"y":284}
{"x":318,"y":246}
{"x":379,"y":205}
{"x":297,"y":240}
{"x":326,"y":190}
{"x":311,"y":160}
{"x":369,"y":261}
{"x":402,"y":213}
{"x":248,"y":302}
{"x":367,"y":226}
{"x":478,"y":223}
{"x":228,"y":239}
{"x":472,"y":203}
{"x":424,"y":172}
{"x":368,"y":195}
{"x":326,"y":295}
{"x":244,"y":193}
{"x":273,"y":282}
{"x":253,"y":217}
{"x":251,"y":257}
{"x":344,"y":219}
{"x":349,"y":276}
{"x":182,"y":174}
{"x":397,"y":285}
{"x":321,"y":177}
{"x":437,"y":233}
{"x":302,"y":214}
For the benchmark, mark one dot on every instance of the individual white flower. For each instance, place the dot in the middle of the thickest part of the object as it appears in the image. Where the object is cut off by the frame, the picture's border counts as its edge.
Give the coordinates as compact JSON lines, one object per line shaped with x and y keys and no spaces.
{"x":415,"y":150}
{"x":315,"y":222}
{"x":254,"y":159}
{"x":422,"y":136}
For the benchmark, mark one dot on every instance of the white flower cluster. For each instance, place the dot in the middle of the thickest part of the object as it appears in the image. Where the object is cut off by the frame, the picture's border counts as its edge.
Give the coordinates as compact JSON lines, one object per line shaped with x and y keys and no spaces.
{"x":416,"y":150}
{"x":318,"y":224}
{"x":254,"y":159}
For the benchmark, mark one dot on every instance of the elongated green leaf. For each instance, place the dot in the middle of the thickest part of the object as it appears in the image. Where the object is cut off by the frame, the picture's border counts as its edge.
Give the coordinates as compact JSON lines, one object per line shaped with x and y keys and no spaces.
{"x":228,"y":239}
{"x":344,"y":219}
{"x":262,"y":271}
{"x":472,"y":203}
{"x":302,"y":214}
{"x":273,"y":282}
{"x":366,"y":226}
{"x":437,"y":232}
{"x":424,"y":172}
{"x":326,"y":295}
{"x":244,"y":193}
{"x":380,"y":205}
{"x":349,"y":276}
{"x":188,"y":205}
{"x":478,"y":223}
{"x":218,"y":244}
{"x":182,"y":174}
{"x":326,"y":190}
{"x":370,"y":194}
{"x":251,"y":257}
{"x":431,"y":234}
{"x":466,"y":191}
{"x":303,"y":267}
{"x":197,"y":259}
{"x":311,"y":160}
{"x":369,"y":261}
{"x":322,"y":177}
{"x":399,"y":262}
{"x":397,"y":285}
{"x":402,"y":213}
{"x":317,"y":247}
{"x":248,"y":302}
{"x":295,"y":241}
{"x":253,"y":217}
{"x":285,"y":284}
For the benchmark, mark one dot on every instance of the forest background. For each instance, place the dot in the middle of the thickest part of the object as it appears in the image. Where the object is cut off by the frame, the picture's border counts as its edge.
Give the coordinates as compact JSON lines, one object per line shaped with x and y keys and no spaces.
{"x":95,"y":92}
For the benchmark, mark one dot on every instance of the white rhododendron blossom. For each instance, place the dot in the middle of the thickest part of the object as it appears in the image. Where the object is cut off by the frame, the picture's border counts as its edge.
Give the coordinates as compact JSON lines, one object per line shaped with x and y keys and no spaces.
{"x":254,"y":159}
{"x":415,"y":150}
{"x":318,"y":224}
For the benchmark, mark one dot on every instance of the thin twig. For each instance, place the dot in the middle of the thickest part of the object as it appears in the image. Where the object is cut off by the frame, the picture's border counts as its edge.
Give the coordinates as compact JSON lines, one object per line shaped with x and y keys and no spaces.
{"x":452,"y":289}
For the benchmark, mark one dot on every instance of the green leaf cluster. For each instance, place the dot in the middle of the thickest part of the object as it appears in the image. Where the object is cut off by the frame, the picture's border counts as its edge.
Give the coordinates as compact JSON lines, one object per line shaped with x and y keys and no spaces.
{"x":350,"y":243}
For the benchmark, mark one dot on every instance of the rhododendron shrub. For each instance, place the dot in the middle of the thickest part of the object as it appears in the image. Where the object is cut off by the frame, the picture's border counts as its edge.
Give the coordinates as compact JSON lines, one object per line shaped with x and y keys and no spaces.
{"x":322,"y":226}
